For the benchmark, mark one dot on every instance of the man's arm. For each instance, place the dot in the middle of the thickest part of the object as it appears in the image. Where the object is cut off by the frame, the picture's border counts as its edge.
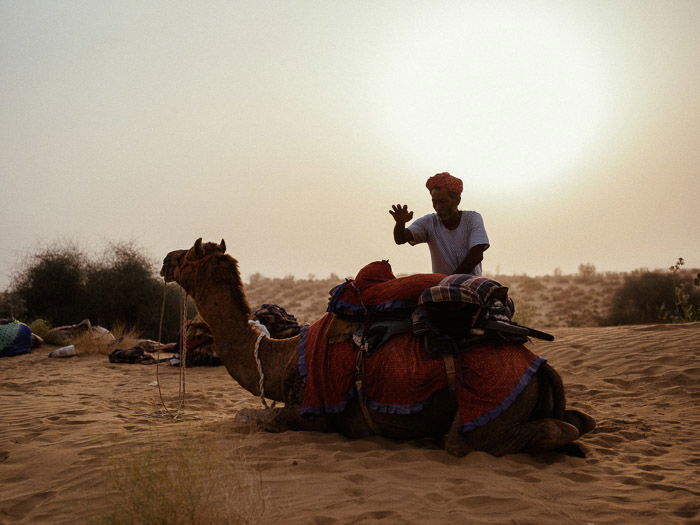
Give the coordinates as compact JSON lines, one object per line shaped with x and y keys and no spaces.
{"x":401,"y":215}
{"x":474,"y":257}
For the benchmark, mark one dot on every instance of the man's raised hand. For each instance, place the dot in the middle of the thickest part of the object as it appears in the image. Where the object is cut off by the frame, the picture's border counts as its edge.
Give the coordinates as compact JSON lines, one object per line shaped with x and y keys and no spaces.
{"x":400,"y":213}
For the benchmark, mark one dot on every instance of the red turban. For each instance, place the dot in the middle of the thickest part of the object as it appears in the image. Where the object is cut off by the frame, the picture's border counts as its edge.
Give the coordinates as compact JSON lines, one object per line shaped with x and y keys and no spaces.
{"x":444,"y":180}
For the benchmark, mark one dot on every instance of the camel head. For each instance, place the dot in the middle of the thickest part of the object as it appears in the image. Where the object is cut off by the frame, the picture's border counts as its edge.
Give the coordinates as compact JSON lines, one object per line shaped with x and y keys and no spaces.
{"x":175,"y":259}
{"x":204,"y":263}
{"x":170,"y":264}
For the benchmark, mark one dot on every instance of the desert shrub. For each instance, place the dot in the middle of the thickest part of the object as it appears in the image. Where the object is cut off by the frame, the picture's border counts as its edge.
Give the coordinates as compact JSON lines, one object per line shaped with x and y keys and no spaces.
{"x":686,"y":291}
{"x":647,"y":297}
{"x":531,"y":285}
{"x":195,"y":480}
{"x":62,"y":285}
{"x":123,"y":289}
{"x":586,"y":270}
{"x":10,"y":306}
{"x":40,"y":327}
{"x":524,"y":313}
{"x":89,"y":343}
{"x":52,"y":286}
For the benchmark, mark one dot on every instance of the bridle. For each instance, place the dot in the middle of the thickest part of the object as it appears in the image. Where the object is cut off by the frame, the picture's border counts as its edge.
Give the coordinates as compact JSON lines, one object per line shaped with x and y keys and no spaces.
{"x":196,"y":263}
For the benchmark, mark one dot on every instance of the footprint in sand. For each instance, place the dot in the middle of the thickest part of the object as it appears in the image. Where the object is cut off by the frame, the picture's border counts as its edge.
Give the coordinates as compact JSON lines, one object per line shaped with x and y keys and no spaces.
{"x":357,"y":478}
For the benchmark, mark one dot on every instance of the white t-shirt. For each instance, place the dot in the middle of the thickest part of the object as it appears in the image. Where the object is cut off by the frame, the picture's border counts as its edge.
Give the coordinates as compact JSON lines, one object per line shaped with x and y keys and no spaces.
{"x":448,"y":248}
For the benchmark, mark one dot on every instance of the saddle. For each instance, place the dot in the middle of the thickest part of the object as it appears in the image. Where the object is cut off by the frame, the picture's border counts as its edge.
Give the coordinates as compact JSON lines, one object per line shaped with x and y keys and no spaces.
{"x":453,"y":312}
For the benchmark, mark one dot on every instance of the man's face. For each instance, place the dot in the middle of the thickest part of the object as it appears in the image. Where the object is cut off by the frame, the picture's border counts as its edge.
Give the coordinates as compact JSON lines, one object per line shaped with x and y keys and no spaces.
{"x":444,"y":204}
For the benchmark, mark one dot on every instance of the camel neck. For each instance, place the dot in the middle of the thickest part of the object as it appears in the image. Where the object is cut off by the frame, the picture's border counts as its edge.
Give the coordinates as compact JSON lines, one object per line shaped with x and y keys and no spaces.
{"x":234,"y":339}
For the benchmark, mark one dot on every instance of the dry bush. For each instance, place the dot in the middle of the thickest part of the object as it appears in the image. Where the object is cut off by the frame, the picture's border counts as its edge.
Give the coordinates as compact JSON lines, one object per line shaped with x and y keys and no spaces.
{"x":525,"y":314}
{"x":91,"y":343}
{"x":193,"y":481}
{"x":531,"y":285}
{"x":40,"y":327}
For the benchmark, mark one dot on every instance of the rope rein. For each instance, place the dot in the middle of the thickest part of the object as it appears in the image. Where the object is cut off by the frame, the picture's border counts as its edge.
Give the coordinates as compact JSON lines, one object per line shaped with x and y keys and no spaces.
{"x":263,"y":332}
{"x":175,"y":413}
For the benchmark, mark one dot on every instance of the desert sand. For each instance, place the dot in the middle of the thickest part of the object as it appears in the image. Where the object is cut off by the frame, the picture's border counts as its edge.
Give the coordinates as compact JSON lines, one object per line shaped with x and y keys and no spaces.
{"x":77,"y":435}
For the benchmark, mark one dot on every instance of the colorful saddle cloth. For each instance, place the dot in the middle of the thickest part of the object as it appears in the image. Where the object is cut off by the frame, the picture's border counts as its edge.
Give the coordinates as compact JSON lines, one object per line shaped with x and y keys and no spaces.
{"x":400,"y":377}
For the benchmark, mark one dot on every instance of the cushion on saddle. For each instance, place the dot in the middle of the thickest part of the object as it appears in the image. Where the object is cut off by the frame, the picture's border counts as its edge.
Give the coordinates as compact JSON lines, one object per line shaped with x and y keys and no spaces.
{"x":400,"y":377}
{"x":280,"y":323}
{"x":376,"y":290}
{"x":488,"y":295}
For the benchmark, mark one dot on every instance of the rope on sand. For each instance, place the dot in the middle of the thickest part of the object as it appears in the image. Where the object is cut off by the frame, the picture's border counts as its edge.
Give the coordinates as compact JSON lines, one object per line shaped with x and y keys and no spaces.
{"x":175,"y":414}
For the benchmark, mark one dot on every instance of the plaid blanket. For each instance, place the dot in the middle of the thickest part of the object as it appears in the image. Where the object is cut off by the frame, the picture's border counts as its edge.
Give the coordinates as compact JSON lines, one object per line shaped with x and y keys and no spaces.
{"x":400,"y":376}
{"x":489,"y":297}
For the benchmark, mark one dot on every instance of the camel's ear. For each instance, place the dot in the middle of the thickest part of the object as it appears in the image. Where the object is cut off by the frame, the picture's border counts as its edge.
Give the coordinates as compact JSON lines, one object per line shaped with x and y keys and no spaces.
{"x":198,"y":250}
{"x":222,"y":246}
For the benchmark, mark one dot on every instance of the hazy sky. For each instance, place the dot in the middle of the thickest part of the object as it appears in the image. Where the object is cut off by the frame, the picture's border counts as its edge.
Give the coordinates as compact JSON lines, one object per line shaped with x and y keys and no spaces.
{"x":289,"y":129}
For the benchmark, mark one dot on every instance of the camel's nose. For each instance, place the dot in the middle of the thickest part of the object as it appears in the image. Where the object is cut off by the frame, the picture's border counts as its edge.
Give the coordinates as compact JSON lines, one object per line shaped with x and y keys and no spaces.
{"x":166,"y":273}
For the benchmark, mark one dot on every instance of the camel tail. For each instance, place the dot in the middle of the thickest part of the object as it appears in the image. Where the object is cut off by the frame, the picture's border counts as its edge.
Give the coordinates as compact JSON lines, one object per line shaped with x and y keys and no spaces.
{"x":552,"y":380}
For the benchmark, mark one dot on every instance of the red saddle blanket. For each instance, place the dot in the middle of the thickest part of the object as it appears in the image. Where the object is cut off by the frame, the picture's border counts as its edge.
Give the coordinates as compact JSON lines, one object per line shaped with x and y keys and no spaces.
{"x":399,"y":377}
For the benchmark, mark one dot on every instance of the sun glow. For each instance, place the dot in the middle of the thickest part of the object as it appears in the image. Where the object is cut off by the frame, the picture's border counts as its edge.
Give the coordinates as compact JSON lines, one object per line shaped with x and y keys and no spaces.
{"x":511,"y":98}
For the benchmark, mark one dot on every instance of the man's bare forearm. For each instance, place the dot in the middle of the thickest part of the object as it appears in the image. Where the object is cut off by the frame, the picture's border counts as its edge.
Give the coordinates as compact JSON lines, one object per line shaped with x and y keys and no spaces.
{"x":474,"y":257}
{"x":401,"y":234}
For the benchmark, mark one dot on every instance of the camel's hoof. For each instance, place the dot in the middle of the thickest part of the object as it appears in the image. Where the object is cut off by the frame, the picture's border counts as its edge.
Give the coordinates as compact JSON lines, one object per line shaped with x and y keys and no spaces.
{"x":583,"y":422}
{"x":553,"y":433}
{"x":457,"y":447}
{"x":572,"y":449}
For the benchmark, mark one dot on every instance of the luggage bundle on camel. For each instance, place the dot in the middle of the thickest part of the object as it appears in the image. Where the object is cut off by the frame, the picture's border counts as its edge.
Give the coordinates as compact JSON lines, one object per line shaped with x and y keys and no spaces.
{"x":452,"y":312}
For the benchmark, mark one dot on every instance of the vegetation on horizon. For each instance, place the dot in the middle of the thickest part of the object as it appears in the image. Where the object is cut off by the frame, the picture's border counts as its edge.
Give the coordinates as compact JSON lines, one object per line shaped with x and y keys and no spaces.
{"x":656,"y":297}
{"x":61,"y":285}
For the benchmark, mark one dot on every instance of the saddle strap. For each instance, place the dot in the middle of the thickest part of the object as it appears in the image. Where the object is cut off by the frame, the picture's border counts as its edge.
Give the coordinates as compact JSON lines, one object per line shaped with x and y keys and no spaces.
{"x":359,"y":374}
{"x":450,"y":369}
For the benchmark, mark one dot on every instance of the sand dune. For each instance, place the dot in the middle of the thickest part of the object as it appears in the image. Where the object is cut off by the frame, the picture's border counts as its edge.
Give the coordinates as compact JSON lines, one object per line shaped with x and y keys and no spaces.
{"x":64,"y":421}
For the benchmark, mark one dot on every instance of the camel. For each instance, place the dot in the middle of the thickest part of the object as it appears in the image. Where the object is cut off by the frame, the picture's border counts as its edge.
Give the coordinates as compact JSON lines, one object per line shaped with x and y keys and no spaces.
{"x":536,"y":420}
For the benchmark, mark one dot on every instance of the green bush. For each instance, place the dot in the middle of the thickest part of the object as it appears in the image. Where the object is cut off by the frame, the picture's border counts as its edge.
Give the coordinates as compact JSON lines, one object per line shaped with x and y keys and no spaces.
{"x":63,"y":286}
{"x":686,"y":306}
{"x":652,"y":297}
{"x":52,"y":286}
{"x":40,"y":327}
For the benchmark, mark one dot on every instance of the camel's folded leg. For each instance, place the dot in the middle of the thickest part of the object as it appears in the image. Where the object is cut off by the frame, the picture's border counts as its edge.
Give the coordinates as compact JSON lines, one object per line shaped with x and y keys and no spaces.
{"x":454,"y":442}
{"x":548,"y":434}
{"x":514,"y":431}
{"x":280,"y":419}
{"x":500,"y":439}
{"x":583,"y":422}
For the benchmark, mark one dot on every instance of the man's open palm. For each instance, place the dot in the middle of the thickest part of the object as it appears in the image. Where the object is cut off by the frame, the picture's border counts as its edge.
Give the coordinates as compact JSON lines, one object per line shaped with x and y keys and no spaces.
{"x":400,"y":213}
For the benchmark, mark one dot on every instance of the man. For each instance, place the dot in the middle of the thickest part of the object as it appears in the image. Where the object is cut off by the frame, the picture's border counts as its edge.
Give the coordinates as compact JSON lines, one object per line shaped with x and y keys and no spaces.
{"x":457,"y":239}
